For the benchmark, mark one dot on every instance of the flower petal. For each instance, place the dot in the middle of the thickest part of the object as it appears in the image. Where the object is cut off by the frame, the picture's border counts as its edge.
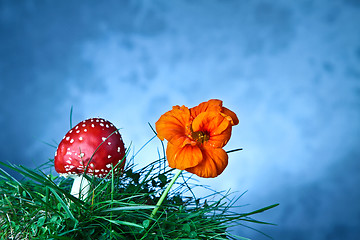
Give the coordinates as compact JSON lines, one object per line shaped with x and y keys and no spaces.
{"x":216,"y":125}
{"x":173,"y":125}
{"x":212,"y":122}
{"x":213,"y":164}
{"x":211,"y":105}
{"x":214,"y":105}
{"x":183,"y":157}
{"x":234,"y":119}
{"x":219,"y":140}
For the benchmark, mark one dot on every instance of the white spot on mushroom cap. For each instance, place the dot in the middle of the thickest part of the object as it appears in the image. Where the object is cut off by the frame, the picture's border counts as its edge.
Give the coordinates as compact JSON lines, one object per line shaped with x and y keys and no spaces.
{"x":101,"y":124}
{"x":82,"y":154}
{"x":68,"y":161}
{"x":84,"y":125}
{"x":109,"y":156}
{"x":108,"y":165}
{"x":91,"y":165}
{"x":77,"y":131}
{"x":67,"y":138}
{"x":119,"y":149}
{"x":109,"y":143}
{"x":76,"y":127}
{"x":103,"y":138}
{"x":107,"y":125}
{"x":97,"y":170}
{"x":72,"y":140}
{"x":92,"y":125}
{"x":70,"y":131}
{"x":85,"y":130}
{"x":80,"y":138}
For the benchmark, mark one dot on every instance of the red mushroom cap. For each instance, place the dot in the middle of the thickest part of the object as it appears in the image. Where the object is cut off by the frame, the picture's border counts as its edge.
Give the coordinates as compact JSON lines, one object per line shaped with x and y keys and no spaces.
{"x":96,"y":140}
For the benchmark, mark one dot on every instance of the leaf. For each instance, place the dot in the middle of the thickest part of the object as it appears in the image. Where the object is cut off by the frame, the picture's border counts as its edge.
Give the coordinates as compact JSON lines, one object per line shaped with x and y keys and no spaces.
{"x":118,"y":222}
{"x":41,"y":221}
{"x":261,"y":210}
{"x":163,"y":180}
{"x":193,"y":234}
{"x":64,"y":206}
{"x":146,"y":223}
{"x":129,"y":208}
{"x":186,"y":228}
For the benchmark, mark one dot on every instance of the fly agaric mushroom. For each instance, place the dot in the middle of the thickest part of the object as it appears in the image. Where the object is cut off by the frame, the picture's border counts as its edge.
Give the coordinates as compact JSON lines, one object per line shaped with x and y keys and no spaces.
{"x":92,"y":147}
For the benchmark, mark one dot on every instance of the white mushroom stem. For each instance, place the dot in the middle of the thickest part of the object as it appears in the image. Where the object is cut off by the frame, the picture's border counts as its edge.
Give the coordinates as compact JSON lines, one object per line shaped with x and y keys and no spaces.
{"x":81,"y":186}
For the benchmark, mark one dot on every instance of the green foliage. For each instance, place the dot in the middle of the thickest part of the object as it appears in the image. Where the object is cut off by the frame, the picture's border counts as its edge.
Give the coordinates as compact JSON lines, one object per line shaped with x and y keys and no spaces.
{"x":119,"y":207}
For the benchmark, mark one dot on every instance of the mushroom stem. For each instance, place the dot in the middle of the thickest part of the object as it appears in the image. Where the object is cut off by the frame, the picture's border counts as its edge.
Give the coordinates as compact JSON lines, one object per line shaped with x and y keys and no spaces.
{"x":81,"y":187}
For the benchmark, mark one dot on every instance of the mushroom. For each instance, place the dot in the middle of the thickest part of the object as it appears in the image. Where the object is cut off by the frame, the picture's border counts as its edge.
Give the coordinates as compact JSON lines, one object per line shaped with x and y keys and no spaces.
{"x":93,"y":147}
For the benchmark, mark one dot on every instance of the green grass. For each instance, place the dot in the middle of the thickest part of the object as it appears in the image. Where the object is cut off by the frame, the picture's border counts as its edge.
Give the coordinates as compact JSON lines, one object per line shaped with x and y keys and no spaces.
{"x":40,"y":206}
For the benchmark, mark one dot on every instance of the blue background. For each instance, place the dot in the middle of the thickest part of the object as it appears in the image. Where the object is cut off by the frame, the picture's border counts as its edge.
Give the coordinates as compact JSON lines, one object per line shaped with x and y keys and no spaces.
{"x":289,"y":69}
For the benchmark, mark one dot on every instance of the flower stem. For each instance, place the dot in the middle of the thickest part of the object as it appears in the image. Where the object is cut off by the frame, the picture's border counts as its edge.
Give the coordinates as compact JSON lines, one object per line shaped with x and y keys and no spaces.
{"x":165,"y":193}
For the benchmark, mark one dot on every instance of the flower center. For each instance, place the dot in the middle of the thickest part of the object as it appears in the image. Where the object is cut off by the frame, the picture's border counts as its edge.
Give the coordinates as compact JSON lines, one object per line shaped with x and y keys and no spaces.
{"x":200,"y":136}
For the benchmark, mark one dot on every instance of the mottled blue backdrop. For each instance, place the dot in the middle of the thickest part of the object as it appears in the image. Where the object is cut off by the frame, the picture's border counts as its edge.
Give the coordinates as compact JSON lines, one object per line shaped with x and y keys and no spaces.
{"x":289,"y":69}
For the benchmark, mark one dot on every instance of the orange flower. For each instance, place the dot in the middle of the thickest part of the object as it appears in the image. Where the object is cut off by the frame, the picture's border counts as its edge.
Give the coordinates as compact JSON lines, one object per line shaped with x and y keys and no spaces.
{"x":196,"y":137}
